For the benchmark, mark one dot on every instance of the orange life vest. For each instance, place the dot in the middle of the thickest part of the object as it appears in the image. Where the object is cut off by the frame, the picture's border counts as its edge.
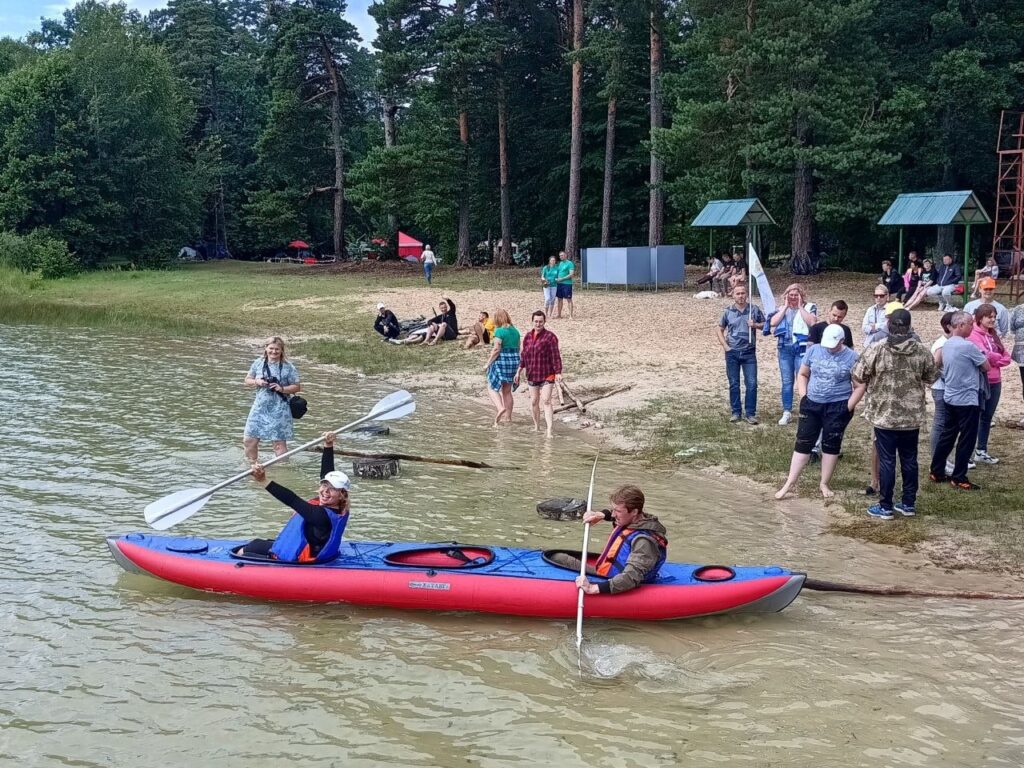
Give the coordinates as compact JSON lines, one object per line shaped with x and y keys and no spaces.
{"x":616,"y":552}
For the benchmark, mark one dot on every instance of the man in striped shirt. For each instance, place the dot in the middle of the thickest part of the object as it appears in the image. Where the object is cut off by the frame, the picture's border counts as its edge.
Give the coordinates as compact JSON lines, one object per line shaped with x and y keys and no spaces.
{"x":542,"y":361}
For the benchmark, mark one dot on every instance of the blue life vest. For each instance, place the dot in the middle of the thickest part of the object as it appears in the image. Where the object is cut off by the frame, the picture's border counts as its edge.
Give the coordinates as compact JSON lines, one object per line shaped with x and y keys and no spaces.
{"x":613,"y":560}
{"x":292,"y":546}
{"x":794,"y":330}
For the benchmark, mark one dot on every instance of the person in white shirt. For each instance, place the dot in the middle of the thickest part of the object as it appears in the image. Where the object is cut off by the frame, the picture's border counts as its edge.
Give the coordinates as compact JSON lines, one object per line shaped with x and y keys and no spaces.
{"x":427,"y":257}
{"x":874,"y":318}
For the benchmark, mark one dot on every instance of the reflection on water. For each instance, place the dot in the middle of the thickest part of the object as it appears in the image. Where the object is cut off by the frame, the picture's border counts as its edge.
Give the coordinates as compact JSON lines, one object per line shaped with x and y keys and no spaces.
{"x":107,"y":668}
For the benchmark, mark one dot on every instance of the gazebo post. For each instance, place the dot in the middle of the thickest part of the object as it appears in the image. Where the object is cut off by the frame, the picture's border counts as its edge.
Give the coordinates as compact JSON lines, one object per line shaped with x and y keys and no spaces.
{"x":899,"y":254}
{"x":967,"y":256}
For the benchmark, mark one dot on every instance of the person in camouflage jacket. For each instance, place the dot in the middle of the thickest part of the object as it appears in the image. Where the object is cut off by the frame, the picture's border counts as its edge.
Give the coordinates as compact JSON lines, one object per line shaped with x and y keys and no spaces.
{"x":893,"y":375}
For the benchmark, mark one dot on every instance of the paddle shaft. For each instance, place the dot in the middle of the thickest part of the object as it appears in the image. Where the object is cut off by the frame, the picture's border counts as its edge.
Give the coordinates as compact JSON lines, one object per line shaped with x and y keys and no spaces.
{"x":210,"y":491}
{"x":583,"y":567}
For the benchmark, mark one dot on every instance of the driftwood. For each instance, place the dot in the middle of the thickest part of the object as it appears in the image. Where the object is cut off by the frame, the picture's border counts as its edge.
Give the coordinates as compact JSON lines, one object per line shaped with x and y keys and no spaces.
{"x":563,"y":386}
{"x":858,"y":589}
{"x":589,"y":400}
{"x":411,"y":457}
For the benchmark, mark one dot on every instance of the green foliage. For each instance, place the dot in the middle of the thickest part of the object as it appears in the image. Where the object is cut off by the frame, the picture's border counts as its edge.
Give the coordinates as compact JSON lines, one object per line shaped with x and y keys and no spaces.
{"x":38,"y":252}
{"x":211,"y":119}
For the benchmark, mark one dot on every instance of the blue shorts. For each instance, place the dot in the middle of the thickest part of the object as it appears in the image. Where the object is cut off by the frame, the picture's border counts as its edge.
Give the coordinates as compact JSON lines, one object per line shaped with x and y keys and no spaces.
{"x":563,"y":290}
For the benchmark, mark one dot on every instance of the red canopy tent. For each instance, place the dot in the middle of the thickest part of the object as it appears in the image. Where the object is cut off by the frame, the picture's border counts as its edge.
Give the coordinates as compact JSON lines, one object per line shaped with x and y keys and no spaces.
{"x":409,"y":248}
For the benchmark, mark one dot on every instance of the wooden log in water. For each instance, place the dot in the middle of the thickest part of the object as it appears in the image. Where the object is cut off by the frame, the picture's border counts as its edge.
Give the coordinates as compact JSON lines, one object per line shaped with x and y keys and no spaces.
{"x":589,"y":400}
{"x":412,"y":457}
{"x":897,"y":591}
{"x":563,"y":386}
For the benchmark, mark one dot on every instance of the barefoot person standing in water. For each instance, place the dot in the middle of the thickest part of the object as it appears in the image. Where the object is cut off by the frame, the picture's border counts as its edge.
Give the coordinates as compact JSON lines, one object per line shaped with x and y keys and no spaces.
{"x":270,"y":418}
{"x":826,"y":405}
{"x":542,"y":361}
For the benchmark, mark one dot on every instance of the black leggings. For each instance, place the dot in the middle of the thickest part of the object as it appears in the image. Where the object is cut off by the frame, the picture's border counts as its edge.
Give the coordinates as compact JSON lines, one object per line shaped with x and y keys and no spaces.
{"x":258,"y":547}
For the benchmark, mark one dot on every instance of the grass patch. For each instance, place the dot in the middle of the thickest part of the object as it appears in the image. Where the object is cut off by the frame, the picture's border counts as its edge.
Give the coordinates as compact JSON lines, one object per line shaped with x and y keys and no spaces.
{"x":671,"y":431}
{"x":251,"y":299}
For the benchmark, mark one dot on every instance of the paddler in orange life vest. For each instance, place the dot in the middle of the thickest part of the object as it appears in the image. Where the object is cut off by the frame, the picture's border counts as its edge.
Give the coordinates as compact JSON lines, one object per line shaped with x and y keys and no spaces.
{"x":635,"y":550}
{"x":313,"y":534}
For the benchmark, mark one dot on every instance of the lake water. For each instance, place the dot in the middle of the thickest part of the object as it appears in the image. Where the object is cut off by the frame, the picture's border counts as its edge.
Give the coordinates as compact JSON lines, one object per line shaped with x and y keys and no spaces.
{"x":105,"y":668}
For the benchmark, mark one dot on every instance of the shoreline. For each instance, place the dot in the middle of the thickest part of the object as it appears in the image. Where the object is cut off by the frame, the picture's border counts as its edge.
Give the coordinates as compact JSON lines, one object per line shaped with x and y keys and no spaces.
{"x":663,"y":343}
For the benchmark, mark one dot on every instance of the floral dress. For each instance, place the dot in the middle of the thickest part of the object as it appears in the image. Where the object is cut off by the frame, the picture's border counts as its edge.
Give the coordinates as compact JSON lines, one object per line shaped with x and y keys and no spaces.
{"x":270,"y":418}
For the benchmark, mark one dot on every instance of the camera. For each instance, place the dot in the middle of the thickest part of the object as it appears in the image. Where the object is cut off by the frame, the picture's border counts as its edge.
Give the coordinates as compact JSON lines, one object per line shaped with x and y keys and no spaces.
{"x":271,"y":380}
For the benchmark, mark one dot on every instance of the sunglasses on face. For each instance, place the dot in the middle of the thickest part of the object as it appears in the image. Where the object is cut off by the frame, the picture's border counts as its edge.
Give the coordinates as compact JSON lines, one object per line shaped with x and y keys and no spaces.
{"x":881,"y":295}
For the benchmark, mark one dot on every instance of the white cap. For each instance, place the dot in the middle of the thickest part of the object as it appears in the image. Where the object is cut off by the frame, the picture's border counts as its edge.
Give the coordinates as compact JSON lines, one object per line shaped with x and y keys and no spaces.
{"x":380,"y":306}
{"x":832,"y":336}
{"x":338,"y":480}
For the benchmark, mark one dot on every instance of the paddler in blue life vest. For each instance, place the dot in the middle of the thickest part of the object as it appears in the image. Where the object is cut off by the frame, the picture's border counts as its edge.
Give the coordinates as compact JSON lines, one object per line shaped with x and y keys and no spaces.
{"x":313,"y":534}
{"x":635,"y":550}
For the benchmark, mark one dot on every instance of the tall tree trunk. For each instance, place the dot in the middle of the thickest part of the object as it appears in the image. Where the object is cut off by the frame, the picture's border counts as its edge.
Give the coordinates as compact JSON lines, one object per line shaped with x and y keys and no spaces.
{"x":609,"y":165}
{"x":339,"y":151}
{"x":505,"y":254}
{"x":389,"y":114}
{"x":463,"y":258}
{"x":656,"y":206}
{"x":572,"y":219}
{"x":804,"y":240}
{"x":751,"y":17}
{"x":944,"y":235}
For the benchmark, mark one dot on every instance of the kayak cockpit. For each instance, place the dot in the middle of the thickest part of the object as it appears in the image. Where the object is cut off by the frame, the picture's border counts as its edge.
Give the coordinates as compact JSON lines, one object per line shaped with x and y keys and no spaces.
{"x":444,"y":556}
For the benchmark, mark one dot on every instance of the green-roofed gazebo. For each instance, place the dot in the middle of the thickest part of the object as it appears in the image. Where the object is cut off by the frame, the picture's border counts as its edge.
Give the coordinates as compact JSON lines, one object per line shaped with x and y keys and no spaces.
{"x":733,"y":213}
{"x":936,"y":209}
{"x":746,"y":212}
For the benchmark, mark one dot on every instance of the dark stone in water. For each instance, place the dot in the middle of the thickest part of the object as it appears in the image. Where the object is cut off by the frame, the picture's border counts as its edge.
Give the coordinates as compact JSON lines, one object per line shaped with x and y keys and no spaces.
{"x":373,"y":429}
{"x":380,"y":469}
{"x":562,"y":508}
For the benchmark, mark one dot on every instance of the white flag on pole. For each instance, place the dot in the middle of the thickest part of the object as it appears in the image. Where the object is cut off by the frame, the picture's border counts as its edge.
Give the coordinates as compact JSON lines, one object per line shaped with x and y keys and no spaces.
{"x":763,"y":289}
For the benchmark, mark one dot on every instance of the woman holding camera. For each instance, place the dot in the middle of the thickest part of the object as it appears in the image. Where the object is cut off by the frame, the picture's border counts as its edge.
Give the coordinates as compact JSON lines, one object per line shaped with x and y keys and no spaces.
{"x":270,"y":418}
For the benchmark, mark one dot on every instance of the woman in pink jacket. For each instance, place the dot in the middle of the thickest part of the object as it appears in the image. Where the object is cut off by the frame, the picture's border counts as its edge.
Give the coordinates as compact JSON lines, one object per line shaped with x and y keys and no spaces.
{"x":985,"y":337}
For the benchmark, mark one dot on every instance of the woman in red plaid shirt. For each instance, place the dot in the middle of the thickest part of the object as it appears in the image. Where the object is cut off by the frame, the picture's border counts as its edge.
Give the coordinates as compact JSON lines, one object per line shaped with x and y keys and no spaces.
{"x":543,"y":364}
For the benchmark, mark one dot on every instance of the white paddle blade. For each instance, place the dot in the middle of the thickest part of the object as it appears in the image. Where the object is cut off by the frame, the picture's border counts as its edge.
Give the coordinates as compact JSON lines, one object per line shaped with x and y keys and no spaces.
{"x":403,"y":410}
{"x":394,"y":406}
{"x":170,"y":510}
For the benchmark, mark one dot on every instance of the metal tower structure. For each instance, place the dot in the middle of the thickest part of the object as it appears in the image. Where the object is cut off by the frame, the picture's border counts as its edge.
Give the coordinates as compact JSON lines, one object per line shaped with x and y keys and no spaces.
{"x":1008,"y":234}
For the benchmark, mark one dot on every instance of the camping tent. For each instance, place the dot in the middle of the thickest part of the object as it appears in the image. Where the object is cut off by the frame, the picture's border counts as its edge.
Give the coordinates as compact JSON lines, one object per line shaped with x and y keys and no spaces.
{"x":409,"y":248}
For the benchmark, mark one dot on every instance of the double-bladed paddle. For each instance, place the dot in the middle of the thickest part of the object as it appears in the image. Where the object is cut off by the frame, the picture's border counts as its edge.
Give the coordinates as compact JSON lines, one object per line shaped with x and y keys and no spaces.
{"x":583,"y":569}
{"x":176,"y":507}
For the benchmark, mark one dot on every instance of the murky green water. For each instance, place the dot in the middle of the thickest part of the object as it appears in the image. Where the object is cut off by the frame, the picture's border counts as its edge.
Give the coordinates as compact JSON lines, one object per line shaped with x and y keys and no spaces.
{"x":104,"y":668}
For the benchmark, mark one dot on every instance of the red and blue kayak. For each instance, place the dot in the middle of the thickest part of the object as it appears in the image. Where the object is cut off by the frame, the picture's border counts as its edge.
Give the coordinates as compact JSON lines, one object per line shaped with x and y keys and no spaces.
{"x":448,"y":576}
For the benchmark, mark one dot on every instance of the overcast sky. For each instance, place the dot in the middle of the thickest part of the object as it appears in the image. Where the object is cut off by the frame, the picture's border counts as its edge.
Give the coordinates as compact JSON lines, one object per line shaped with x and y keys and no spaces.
{"x":19,"y":17}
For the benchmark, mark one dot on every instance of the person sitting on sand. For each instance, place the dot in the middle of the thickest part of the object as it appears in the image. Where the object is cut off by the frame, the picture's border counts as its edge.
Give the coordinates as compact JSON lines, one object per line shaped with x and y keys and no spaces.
{"x":481,"y":332}
{"x":826,"y":406}
{"x":444,"y":325}
{"x":386,"y":323}
{"x":313,"y":534}
{"x":635,"y":551}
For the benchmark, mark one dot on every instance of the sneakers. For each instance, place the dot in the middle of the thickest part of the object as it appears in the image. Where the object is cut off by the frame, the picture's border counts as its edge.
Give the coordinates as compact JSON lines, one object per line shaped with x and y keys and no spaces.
{"x":949,"y":467}
{"x":907,"y":510}
{"x":787,"y":416}
{"x":753,"y":420}
{"x":941,"y":478}
{"x":964,"y":485}
{"x":984,"y":458}
{"x":881,"y":514}
{"x":734,"y":418}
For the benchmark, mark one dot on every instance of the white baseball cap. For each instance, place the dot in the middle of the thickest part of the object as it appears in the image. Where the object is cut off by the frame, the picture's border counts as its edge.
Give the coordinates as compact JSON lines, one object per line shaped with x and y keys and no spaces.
{"x":380,"y":306}
{"x":338,"y":480}
{"x":832,"y":336}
